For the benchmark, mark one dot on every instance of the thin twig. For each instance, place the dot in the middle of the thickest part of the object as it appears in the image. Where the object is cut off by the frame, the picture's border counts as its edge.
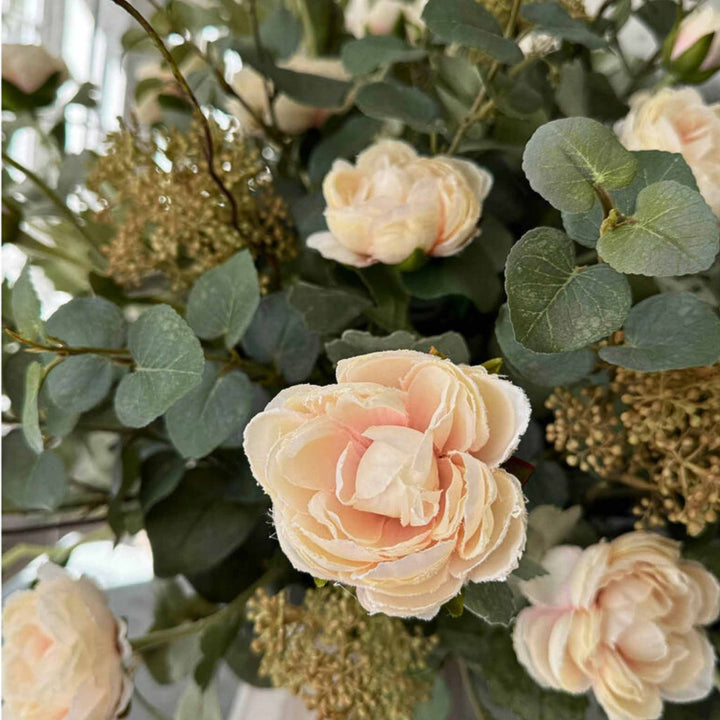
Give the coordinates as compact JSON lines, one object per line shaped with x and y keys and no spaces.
{"x":50,"y":194}
{"x":209,"y":150}
{"x":479,"y":101}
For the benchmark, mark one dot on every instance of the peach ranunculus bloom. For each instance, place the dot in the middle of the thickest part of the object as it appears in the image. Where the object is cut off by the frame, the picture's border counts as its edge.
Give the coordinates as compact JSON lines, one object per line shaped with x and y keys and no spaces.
{"x":393,"y":202}
{"x":292,"y":117}
{"x":29,"y":67}
{"x":63,"y":653}
{"x":381,"y":17}
{"x":389,"y":480}
{"x":622,"y":618}
{"x":678,"y":121}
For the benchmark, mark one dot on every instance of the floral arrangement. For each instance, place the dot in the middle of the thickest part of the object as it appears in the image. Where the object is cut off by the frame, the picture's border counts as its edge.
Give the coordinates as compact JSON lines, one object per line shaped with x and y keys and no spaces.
{"x":393,"y":326}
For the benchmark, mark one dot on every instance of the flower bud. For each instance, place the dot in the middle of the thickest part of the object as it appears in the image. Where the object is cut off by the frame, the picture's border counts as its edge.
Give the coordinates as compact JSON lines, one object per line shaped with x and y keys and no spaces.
{"x":692,"y":50}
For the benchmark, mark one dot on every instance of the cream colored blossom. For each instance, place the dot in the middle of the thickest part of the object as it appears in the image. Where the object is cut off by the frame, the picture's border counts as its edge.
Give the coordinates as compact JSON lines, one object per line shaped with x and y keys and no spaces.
{"x":699,"y":23}
{"x":292,"y":117}
{"x":63,"y":652}
{"x":393,"y":202}
{"x":623,"y":618}
{"x":678,"y":121}
{"x":381,"y":17}
{"x":390,"y":480}
{"x":29,"y":67}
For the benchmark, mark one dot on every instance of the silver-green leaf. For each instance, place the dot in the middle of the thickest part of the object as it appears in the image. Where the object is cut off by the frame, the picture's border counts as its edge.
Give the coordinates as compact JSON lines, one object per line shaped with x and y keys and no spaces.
{"x":673,"y":231}
{"x":26,"y":308}
{"x":556,"y":306}
{"x":566,"y":159}
{"x":214,"y":409}
{"x":169,"y":363}
{"x":224,"y":299}
{"x":670,"y":331}
{"x":30,"y":416}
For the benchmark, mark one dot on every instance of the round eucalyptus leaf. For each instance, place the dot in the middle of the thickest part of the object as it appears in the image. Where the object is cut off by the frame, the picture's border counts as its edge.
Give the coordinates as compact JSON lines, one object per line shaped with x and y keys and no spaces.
{"x":556,"y":306}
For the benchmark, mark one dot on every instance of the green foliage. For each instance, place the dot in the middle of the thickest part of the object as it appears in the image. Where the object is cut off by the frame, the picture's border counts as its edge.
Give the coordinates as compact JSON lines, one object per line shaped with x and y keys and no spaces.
{"x":213,"y":410}
{"x":278,"y":334}
{"x":438,"y":706}
{"x":26,"y":307}
{"x":468,"y":23}
{"x":368,"y":54}
{"x":549,"y":369}
{"x":198,"y":524}
{"x":326,"y":310}
{"x":392,"y":101}
{"x":553,"y":19}
{"x":566,"y":160}
{"x":80,"y":382}
{"x":168,"y":364}
{"x":31,"y":481}
{"x":223,"y":300}
{"x":491,"y":601}
{"x":357,"y":342}
{"x":668,"y":332}
{"x":654,"y":166}
{"x":556,"y":306}
{"x":672,"y":232}
{"x":30,"y":416}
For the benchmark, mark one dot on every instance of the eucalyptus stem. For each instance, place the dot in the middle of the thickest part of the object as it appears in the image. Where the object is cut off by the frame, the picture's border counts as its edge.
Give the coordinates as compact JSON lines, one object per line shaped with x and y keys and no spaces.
{"x":479,"y":102}
{"x":156,"y":638}
{"x":209,"y":151}
{"x":269,"y":91}
{"x":50,"y":194}
{"x":469,"y":691}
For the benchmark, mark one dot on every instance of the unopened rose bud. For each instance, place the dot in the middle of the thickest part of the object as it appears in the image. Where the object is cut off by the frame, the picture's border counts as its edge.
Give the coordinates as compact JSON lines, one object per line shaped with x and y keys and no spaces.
{"x":692,"y":50}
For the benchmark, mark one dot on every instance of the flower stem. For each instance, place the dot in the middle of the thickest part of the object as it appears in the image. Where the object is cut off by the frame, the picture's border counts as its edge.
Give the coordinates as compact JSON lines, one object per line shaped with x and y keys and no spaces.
{"x":155,"y":638}
{"x":51,"y":195}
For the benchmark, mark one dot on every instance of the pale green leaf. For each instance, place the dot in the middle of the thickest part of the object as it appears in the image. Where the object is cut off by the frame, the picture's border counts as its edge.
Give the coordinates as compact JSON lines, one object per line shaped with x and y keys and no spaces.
{"x":224,"y":299}
{"x":556,"y":306}
{"x":491,"y":601}
{"x":26,"y":307}
{"x":168,"y":363}
{"x":30,"y":416}
{"x":367,"y":54}
{"x":670,"y":331}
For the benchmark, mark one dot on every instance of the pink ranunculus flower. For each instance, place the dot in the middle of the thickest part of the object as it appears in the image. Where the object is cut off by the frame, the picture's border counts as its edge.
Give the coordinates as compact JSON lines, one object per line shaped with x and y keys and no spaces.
{"x":623,"y":618}
{"x":64,"y":652}
{"x":389,"y":480}
{"x":393,"y":202}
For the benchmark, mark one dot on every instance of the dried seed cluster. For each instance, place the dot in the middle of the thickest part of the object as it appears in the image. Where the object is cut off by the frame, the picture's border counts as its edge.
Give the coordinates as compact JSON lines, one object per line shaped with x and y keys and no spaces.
{"x":343,"y":663}
{"x":169,"y":215}
{"x":659,"y":432}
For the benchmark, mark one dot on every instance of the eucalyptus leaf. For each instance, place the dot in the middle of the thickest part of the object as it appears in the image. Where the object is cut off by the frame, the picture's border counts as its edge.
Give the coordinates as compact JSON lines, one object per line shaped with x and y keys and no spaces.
{"x":31,"y":481}
{"x":168,"y":363}
{"x":367,"y":54}
{"x":30,"y":415}
{"x":556,"y":306}
{"x":80,"y":382}
{"x":548,"y":369}
{"x":212,"y":411}
{"x":326,"y":309}
{"x":653,"y":166}
{"x":566,"y":159}
{"x":439,"y":705}
{"x":223,"y":300}
{"x":279,"y":334}
{"x":670,"y":331}
{"x":197,"y":703}
{"x":468,"y":23}
{"x":673,"y":231}
{"x":197,"y":525}
{"x":553,"y":19}
{"x":26,"y":308}
{"x":358,"y":342}
{"x":491,"y":601}
{"x":391,"y":101}
{"x":470,"y":274}
{"x":355,"y":135}
{"x":281,"y":33}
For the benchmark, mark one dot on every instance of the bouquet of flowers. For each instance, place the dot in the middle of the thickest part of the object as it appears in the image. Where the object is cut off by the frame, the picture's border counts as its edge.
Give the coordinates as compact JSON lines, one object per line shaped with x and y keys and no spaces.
{"x":393,"y":325}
